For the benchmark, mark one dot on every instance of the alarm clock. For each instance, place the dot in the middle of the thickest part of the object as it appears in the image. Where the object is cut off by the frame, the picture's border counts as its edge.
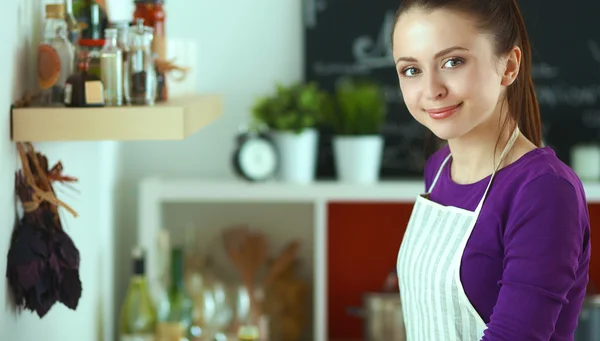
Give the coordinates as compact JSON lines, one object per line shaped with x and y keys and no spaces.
{"x":255,"y":157}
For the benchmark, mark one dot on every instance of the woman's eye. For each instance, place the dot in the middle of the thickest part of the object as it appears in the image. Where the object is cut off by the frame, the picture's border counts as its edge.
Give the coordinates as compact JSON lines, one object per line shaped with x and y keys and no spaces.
{"x":410,"y":72}
{"x":453,"y":62}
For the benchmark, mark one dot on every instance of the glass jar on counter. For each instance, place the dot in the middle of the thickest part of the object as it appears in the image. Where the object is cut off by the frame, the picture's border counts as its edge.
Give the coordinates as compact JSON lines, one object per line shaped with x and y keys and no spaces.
{"x":140,"y":75}
{"x":93,"y":48}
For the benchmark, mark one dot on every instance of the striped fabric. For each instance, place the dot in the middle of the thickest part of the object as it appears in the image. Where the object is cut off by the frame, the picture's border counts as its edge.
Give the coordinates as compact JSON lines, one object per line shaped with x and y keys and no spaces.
{"x":434,"y":304}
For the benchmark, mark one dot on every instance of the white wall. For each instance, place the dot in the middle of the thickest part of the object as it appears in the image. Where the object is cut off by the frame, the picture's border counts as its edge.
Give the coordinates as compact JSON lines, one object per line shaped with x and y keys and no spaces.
{"x":92,"y":162}
{"x":244,"y":47}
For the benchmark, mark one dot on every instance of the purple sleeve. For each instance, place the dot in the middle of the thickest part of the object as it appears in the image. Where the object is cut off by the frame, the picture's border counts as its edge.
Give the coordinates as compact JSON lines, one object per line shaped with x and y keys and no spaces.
{"x":543,"y":242}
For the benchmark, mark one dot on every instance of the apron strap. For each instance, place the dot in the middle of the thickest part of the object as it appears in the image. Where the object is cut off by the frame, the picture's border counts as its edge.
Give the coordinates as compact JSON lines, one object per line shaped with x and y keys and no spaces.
{"x":507,"y":148}
{"x":439,"y":172}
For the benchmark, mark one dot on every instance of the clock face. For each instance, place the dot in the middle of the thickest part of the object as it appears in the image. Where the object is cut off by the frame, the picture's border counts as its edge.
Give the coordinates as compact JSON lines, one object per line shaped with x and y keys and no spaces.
{"x":257,"y":158}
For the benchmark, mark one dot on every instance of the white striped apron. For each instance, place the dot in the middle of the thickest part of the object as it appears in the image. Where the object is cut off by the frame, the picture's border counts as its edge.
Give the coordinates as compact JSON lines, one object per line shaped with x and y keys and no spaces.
{"x":434,"y":304}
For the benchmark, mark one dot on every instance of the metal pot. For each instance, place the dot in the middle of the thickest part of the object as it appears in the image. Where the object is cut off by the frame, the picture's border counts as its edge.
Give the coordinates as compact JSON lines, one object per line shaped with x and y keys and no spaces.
{"x":588,"y":328}
{"x":382,"y":315}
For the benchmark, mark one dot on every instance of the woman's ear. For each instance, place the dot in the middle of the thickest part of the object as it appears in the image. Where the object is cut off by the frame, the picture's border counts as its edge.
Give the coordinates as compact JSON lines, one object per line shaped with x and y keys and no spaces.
{"x":513,"y":64}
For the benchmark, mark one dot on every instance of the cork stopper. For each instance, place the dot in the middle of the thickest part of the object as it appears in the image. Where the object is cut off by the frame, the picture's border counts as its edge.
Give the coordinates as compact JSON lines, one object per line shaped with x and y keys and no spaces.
{"x":55,"y":11}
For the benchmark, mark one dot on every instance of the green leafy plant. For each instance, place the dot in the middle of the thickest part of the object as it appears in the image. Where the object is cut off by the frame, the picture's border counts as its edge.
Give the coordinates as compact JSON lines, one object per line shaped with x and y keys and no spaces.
{"x":360,"y":108}
{"x":292,"y":108}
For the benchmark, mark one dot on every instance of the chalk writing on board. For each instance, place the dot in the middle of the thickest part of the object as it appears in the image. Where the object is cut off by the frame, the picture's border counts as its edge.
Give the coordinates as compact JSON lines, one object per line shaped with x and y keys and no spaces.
{"x":311,"y":9}
{"x":376,"y":54}
{"x":575,"y":96}
{"x":369,"y":54}
{"x":595,"y":50}
{"x":563,"y":93}
{"x":591,"y":118}
{"x":544,"y":71}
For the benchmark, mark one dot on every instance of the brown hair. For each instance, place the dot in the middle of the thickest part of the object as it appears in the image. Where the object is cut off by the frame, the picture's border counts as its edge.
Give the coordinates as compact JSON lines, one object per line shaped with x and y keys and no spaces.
{"x":503,"y":20}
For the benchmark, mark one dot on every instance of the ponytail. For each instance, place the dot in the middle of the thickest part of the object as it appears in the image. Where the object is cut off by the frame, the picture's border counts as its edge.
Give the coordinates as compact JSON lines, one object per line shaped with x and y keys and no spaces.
{"x":522,"y":100}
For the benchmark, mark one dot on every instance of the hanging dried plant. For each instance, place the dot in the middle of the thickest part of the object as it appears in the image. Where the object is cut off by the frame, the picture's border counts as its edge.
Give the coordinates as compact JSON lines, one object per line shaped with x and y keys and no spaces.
{"x":43,"y":262}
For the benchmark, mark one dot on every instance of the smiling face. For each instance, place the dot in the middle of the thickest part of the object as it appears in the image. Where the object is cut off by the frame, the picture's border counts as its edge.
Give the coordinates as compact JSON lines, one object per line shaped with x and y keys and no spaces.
{"x":450,"y":78}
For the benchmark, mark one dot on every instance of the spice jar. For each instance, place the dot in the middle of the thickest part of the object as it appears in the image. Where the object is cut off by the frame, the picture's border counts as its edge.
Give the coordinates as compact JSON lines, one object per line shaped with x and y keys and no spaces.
{"x":140,"y":73}
{"x":92,"y":47}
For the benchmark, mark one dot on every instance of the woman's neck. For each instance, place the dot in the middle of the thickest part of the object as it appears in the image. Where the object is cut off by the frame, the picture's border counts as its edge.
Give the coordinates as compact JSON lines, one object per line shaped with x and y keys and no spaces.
{"x":476,"y":154}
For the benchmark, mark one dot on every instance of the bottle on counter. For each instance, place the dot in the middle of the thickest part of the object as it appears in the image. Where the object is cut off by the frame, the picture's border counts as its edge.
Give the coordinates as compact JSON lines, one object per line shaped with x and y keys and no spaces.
{"x":111,"y":69}
{"x":83,"y":89}
{"x":55,"y":57}
{"x":176,"y":323}
{"x":138,"y":314}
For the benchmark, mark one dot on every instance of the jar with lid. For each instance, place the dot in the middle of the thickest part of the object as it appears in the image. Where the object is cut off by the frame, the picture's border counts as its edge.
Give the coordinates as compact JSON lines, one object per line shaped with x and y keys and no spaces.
{"x":56,"y":56}
{"x":92,"y":47}
{"x":140,"y":74}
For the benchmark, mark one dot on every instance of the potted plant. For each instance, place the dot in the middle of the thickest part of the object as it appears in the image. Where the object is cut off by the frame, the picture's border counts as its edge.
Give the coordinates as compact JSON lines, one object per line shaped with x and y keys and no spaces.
{"x":356,"y":123}
{"x":292,"y":114}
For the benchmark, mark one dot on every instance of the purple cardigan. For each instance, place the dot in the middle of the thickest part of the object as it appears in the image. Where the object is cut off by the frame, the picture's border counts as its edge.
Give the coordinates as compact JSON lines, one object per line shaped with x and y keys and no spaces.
{"x":525,"y":266}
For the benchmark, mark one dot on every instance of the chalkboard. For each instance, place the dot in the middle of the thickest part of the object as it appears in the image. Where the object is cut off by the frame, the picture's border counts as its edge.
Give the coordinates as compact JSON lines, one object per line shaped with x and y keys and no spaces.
{"x":352,"y":38}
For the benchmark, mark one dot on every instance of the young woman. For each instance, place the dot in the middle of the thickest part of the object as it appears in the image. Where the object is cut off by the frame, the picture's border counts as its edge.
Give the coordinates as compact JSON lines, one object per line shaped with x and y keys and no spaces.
{"x":498,"y":248}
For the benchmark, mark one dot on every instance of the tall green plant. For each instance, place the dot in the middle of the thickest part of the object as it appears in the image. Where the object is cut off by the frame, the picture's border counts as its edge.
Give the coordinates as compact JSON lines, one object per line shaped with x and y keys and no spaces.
{"x":360,"y":108}
{"x":292,"y":108}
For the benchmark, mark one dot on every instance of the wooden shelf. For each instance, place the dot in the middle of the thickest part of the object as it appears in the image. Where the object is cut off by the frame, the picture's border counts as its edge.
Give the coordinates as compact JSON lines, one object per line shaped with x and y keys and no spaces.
{"x":233,"y":190}
{"x":172,"y":120}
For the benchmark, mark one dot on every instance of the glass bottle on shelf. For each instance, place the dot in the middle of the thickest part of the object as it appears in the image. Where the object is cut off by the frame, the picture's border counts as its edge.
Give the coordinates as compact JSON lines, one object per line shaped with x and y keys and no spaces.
{"x":55,"y":61}
{"x":111,"y":69}
{"x":83,"y":89}
{"x":73,"y":27}
{"x":123,"y":44}
{"x":153,"y":14}
{"x":138,"y":314}
{"x":176,"y":324}
{"x":140,"y":73}
{"x":93,"y":16}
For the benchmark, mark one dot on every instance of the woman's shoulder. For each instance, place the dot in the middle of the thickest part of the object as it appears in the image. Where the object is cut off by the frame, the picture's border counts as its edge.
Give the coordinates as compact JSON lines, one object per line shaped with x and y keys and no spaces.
{"x":539,"y":184}
{"x":540,"y":167}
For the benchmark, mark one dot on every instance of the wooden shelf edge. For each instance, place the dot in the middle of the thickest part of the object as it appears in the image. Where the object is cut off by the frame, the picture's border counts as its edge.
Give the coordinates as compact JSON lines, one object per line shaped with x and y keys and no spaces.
{"x":173,"y":120}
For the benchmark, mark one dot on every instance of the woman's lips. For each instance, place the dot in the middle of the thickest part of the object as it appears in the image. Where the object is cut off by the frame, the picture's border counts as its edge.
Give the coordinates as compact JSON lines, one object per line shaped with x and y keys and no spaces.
{"x":440,"y":113}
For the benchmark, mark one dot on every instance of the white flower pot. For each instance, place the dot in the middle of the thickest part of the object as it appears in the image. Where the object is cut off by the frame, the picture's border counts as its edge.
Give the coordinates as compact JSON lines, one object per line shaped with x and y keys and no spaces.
{"x":297,"y":155}
{"x":358,"y":158}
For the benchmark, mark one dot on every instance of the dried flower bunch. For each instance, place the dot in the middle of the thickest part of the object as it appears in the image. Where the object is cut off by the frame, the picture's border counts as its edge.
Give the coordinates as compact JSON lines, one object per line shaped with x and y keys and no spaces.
{"x":43,"y":262}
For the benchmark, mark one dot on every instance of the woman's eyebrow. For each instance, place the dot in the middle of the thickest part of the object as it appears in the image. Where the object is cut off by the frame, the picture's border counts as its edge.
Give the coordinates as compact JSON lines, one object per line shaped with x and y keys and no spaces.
{"x":437,"y":55}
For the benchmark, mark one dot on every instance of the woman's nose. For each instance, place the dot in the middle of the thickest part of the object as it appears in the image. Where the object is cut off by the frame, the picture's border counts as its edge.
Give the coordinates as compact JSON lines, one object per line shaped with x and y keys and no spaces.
{"x":435,"y":87}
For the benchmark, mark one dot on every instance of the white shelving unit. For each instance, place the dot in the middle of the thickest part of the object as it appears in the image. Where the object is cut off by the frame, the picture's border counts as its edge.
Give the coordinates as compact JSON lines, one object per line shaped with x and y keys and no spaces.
{"x":156,"y":192}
